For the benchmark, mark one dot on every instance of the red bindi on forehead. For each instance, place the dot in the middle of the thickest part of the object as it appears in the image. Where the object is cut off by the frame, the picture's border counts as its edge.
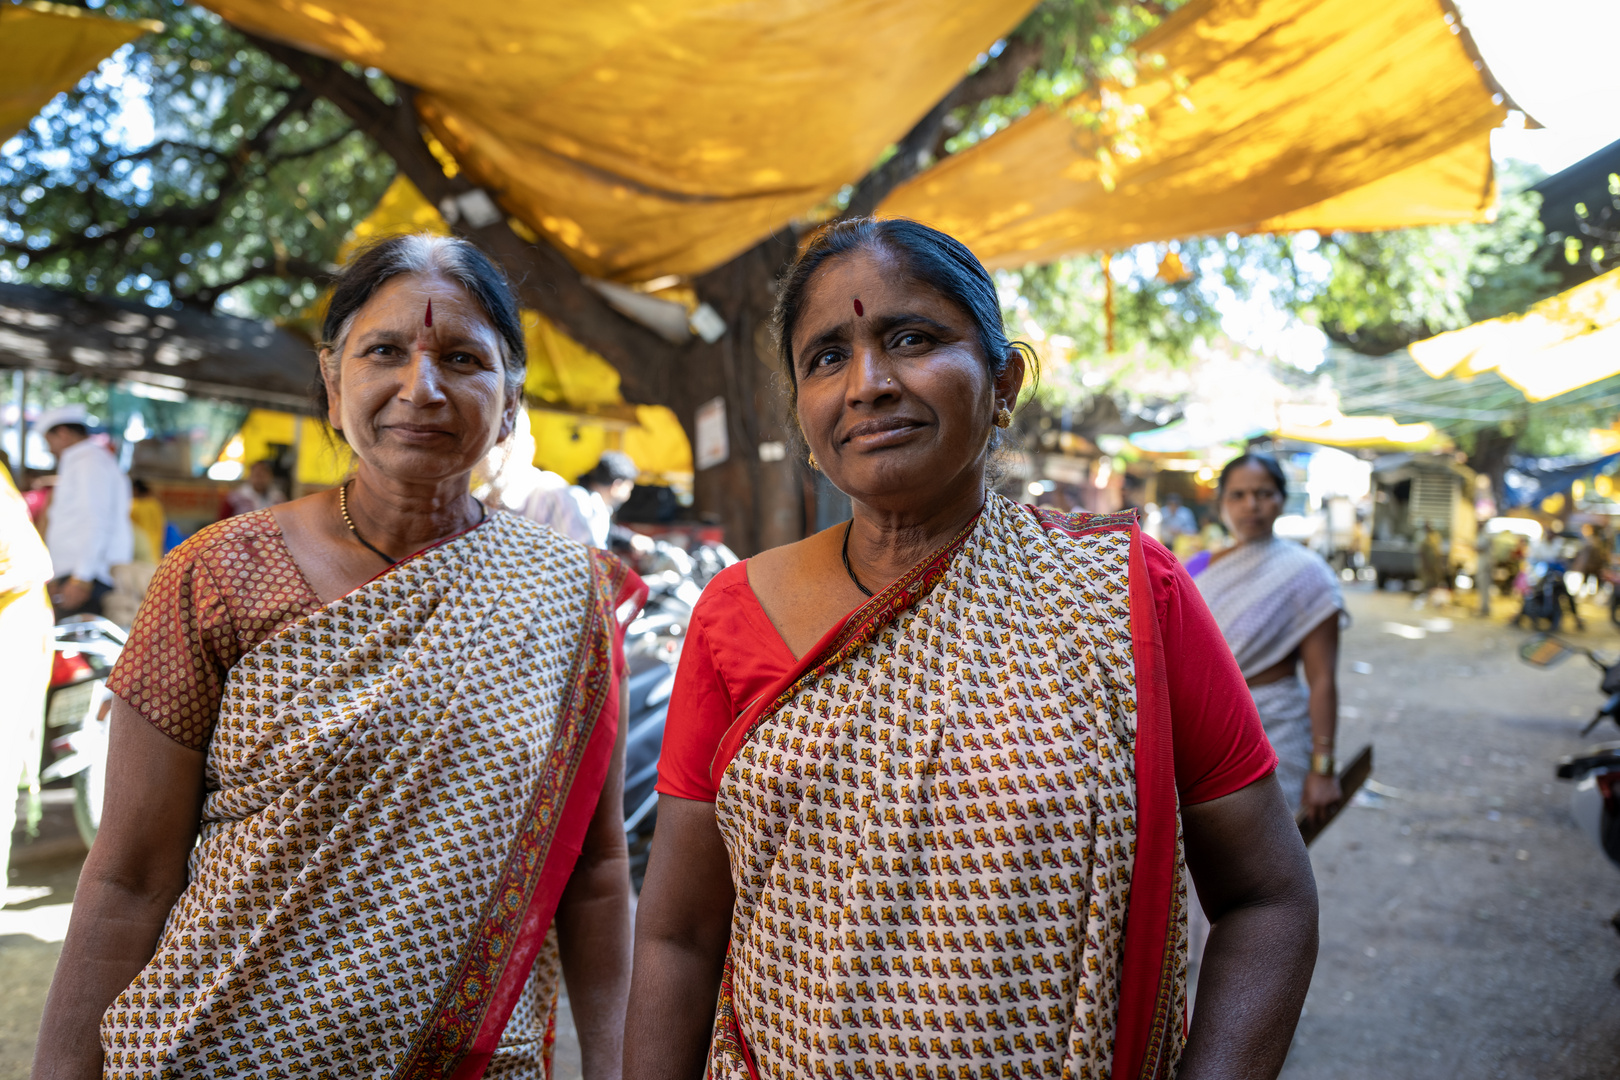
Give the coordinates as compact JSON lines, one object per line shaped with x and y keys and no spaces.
{"x":427,"y":320}
{"x":858,"y":309}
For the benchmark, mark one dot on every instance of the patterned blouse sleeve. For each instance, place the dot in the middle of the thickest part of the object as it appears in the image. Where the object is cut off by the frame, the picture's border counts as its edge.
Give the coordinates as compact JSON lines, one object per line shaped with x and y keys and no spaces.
{"x":173,"y":669}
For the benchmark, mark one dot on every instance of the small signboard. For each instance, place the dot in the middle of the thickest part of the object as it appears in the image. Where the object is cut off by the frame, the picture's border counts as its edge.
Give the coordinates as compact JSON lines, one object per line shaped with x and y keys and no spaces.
{"x":713,"y":445}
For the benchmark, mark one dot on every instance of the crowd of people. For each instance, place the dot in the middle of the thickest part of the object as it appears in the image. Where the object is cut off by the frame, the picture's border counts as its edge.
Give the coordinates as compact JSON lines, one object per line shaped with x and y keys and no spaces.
{"x":946,"y":789}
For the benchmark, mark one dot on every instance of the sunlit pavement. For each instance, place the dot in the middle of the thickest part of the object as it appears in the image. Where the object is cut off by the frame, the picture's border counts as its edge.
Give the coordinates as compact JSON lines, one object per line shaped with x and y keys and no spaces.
{"x":1464,"y":919}
{"x":32,"y":924}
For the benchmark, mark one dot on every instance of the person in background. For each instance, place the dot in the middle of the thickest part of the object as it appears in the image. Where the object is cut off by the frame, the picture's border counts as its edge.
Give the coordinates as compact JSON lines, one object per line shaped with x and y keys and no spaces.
{"x":1432,"y":568}
{"x":601,"y":491}
{"x":258,"y":493}
{"x":25,"y":653}
{"x":89,"y":530}
{"x":507,"y":479}
{"x":1279,"y":607}
{"x":1176,"y":521}
{"x":146,"y":514}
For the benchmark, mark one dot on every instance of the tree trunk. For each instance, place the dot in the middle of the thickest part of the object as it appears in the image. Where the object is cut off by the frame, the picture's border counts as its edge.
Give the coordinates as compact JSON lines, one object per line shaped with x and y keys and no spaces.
{"x":1490,"y":458}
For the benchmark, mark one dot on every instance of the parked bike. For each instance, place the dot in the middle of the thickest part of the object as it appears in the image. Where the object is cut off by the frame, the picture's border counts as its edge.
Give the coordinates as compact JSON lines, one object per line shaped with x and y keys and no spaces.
{"x":652,"y":647}
{"x":76,"y":708}
{"x":1546,"y":651}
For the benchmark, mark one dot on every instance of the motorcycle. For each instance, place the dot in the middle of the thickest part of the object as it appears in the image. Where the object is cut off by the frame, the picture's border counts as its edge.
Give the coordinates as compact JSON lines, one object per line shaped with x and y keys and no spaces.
{"x":1595,"y":802}
{"x":77,"y":704}
{"x":1546,"y":651}
{"x":652,"y":648}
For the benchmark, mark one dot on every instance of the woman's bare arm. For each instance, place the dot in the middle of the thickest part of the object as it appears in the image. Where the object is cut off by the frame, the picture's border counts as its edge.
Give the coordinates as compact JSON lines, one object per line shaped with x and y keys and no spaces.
{"x":1255,"y":882}
{"x":683,"y":925}
{"x":1320,"y":652}
{"x":130,"y":881}
{"x":593,"y":924}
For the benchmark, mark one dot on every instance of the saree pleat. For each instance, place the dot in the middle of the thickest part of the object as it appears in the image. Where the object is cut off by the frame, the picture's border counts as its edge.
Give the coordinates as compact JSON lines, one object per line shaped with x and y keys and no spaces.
{"x":937,"y":822}
{"x":397,"y":789}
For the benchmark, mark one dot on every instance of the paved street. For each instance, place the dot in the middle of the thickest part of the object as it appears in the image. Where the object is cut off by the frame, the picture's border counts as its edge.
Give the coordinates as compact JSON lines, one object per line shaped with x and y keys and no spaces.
{"x":1465,"y":920}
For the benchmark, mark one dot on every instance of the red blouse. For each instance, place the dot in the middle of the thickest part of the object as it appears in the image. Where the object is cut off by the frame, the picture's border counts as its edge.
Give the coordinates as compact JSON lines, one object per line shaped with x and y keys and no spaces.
{"x":733,"y":653}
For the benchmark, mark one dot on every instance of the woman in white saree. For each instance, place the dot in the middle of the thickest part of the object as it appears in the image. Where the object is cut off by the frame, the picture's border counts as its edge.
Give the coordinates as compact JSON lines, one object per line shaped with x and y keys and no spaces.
{"x":1279,"y":607}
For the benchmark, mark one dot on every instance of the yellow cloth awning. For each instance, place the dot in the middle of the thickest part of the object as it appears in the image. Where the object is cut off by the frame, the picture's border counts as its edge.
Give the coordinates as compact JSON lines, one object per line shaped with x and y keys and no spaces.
{"x":1267,"y":115}
{"x":645,"y":140}
{"x":46,"y":49}
{"x":1366,"y":433}
{"x":1560,"y":344}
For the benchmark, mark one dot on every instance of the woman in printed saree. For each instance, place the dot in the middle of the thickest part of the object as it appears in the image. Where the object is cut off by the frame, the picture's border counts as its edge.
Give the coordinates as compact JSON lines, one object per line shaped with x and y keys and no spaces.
{"x":929,"y":777}
{"x":1278,"y":606}
{"x":363,"y":801}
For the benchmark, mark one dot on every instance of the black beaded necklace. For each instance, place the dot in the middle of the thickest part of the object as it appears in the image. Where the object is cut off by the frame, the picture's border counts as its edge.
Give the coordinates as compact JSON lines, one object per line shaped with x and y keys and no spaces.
{"x":343,"y":508}
{"x":847,"y":568}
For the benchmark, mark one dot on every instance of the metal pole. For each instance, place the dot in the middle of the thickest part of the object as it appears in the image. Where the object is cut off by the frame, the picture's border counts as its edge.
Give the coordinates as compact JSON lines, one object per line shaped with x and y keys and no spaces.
{"x":19,"y":390}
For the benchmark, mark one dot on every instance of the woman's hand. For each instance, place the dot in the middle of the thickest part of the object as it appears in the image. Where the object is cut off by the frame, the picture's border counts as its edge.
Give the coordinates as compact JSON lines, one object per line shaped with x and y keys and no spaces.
{"x":131,"y":879}
{"x":593,"y":923}
{"x":1254,"y":880}
{"x":1322,"y":794}
{"x":683,"y":926}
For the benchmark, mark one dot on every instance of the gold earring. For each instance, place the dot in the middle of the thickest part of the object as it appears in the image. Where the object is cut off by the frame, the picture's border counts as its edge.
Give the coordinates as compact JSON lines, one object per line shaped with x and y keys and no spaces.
{"x":814,"y":464}
{"x":1003,"y":417}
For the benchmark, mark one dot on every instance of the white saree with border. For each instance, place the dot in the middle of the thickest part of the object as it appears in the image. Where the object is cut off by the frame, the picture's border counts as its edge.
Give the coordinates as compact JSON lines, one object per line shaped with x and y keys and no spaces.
{"x":939,"y":821}
{"x":397,"y":787}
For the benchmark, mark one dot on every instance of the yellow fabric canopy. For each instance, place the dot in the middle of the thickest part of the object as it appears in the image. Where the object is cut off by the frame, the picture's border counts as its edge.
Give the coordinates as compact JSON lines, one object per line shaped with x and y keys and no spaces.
{"x":653,"y":139}
{"x":1367,"y":433}
{"x":46,"y":49}
{"x":1560,"y":344}
{"x":1267,"y":115}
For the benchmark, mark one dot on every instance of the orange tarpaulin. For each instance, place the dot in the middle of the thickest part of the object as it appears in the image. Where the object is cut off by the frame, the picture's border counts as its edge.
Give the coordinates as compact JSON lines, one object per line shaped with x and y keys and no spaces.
{"x":46,"y":49}
{"x":652,"y":139}
{"x":1266,"y":115}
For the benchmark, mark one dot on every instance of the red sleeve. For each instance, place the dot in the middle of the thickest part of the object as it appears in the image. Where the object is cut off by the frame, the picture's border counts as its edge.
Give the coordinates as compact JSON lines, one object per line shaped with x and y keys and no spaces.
{"x":731,"y":655}
{"x":1220,"y":746}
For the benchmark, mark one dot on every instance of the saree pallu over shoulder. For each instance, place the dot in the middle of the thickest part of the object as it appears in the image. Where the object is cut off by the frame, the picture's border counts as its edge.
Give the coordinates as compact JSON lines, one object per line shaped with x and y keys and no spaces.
{"x":953,"y":829}
{"x":398,"y":787}
{"x":1266,"y":596}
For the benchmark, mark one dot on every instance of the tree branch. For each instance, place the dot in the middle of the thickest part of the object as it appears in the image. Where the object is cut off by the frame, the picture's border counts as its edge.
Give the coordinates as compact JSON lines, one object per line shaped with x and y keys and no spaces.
{"x":207,"y":295}
{"x":924,"y":143}
{"x":542,"y":275}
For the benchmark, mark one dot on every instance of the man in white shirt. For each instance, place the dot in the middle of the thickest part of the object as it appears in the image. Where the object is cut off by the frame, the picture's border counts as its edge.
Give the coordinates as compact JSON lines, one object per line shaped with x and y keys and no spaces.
{"x":88,"y":531}
{"x":258,"y":493}
{"x":602,"y":490}
{"x":507,"y":479}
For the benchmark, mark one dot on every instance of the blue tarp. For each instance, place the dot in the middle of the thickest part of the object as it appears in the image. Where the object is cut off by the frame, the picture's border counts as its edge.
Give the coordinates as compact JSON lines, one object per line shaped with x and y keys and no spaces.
{"x":1530,"y":480}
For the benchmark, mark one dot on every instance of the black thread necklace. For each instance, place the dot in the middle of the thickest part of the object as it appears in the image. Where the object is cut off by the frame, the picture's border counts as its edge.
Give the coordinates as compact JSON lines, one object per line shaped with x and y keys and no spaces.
{"x":343,"y":508}
{"x":847,"y":568}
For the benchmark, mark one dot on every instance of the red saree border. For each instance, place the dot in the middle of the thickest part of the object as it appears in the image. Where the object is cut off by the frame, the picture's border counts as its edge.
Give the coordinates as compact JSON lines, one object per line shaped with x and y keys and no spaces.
{"x":855,"y":630}
{"x":1147,"y":979}
{"x":474,"y":1009}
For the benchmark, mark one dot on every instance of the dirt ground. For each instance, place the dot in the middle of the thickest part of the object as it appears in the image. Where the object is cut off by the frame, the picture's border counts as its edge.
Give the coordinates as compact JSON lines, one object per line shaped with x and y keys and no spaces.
{"x":1465,"y":926}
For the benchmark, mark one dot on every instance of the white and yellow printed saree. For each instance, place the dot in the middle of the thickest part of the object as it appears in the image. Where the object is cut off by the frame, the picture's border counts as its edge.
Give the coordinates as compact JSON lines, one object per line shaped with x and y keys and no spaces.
{"x":397,"y":788}
{"x":953,"y":828}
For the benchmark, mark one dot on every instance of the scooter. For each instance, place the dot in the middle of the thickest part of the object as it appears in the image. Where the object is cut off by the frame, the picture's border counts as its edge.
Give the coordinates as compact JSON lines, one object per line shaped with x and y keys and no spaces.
{"x":1545,"y":651}
{"x":1595,"y":802}
{"x":652,"y":649}
{"x":77,"y":704}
